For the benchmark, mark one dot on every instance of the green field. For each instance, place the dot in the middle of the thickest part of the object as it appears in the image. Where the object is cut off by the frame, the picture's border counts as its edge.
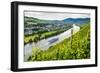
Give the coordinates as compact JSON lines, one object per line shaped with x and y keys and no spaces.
{"x":76,"y":48}
{"x":39,"y":36}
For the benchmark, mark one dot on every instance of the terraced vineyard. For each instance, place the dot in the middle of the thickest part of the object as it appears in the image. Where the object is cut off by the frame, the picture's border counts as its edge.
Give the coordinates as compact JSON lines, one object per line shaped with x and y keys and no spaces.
{"x":75,"y":47}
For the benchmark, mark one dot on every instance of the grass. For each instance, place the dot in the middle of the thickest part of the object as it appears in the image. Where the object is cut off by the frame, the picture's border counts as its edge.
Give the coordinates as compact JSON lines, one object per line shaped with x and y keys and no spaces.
{"x":45,"y":35}
{"x":76,"y":48}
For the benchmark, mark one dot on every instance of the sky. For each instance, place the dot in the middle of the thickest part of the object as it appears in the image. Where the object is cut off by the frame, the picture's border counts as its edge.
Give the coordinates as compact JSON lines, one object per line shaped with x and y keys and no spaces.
{"x":55,"y":15}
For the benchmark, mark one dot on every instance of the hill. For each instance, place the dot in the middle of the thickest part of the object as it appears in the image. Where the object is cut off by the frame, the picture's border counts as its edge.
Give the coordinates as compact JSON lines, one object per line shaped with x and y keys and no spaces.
{"x":77,"y":48}
{"x":55,"y":22}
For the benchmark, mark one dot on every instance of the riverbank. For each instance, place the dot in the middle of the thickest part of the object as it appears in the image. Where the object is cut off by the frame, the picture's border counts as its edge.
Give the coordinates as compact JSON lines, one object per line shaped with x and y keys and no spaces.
{"x":44,"y":44}
{"x":78,"y":47}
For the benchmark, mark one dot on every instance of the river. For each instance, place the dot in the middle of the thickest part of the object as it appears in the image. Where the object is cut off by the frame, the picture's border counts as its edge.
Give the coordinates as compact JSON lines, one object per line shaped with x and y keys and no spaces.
{"x":44,"y":44}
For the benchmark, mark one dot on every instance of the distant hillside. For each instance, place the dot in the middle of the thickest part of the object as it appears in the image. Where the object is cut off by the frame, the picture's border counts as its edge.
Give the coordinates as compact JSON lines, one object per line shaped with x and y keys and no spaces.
{"x":65,"y":21}
{"x":76,"y":20}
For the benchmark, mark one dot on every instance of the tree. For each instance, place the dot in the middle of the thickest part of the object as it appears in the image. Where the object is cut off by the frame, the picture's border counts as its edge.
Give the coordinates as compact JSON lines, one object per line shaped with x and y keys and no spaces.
{"x":36,"y":39}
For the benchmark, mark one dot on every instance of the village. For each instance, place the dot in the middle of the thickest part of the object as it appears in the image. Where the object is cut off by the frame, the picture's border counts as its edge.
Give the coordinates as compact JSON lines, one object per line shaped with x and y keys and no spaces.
{"x":38,"y":28}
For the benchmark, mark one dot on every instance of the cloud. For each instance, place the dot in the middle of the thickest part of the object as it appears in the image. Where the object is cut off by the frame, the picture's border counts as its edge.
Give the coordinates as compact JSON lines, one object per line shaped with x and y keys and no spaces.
{"x":55,"y":15}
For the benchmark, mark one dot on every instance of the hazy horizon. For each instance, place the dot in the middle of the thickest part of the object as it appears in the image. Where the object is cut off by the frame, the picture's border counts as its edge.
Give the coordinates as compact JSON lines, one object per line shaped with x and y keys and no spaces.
{"x":54,"y":15}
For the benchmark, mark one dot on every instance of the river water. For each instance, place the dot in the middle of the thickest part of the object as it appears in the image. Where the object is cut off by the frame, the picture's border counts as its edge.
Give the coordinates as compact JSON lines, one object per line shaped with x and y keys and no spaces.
{"x":44,"y":44}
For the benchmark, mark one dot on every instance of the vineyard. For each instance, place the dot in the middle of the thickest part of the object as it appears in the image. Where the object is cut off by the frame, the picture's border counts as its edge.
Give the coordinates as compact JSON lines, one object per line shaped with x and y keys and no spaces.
{"x":75,"y":47}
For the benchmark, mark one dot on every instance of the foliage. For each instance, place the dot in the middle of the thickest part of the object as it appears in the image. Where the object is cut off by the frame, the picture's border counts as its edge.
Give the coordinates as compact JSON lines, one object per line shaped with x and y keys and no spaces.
{"x":43,"y":35}
{"x":77,"y":47}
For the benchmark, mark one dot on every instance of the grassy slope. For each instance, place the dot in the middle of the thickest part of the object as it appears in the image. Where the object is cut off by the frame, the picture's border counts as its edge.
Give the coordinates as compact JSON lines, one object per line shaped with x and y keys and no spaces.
{"x":77,"y":48}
